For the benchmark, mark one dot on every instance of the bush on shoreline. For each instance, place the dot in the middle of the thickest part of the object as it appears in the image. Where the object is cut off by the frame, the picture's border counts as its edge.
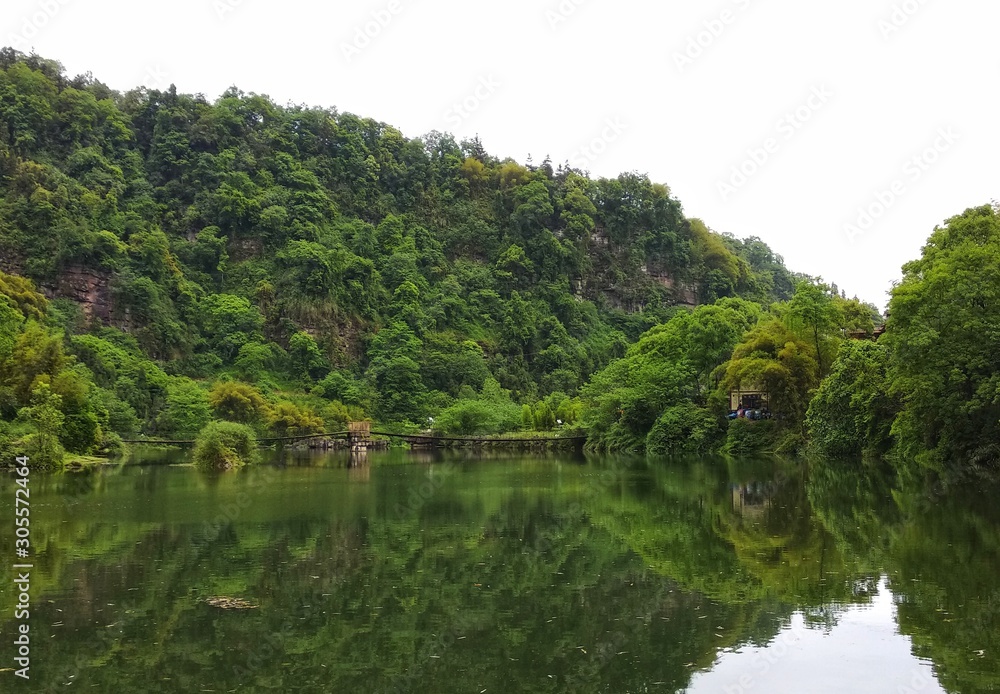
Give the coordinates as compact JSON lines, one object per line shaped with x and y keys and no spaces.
{"x":225,"y":445}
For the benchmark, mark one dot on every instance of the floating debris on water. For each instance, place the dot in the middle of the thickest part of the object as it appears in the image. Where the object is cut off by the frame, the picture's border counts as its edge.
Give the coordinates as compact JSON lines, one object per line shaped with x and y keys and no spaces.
{"x":225,"y":603}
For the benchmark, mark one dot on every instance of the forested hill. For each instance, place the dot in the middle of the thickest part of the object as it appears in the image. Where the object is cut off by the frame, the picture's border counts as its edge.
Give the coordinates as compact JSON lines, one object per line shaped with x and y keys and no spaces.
{"x":313,"y":250}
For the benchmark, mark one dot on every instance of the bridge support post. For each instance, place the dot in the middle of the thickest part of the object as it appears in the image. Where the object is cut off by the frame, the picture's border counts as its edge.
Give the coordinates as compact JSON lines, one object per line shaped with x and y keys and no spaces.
{"x":359,"y":435}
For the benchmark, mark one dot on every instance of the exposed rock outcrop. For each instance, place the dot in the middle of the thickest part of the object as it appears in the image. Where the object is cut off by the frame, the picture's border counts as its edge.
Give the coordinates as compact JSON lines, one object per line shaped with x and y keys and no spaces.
{"x":88,"y":288}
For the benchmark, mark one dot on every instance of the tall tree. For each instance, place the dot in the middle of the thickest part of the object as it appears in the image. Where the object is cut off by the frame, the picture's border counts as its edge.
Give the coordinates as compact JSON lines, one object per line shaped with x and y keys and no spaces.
{"x":944,"y":332}
{"x":813,"y":311}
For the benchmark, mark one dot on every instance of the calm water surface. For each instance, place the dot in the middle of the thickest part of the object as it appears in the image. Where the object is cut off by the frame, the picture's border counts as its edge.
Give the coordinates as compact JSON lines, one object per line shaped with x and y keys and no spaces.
{"x":546,"y":574}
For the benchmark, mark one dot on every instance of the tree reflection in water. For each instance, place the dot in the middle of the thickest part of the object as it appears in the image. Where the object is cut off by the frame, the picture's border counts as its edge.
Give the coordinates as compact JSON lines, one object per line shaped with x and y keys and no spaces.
{"x":528,"y":574}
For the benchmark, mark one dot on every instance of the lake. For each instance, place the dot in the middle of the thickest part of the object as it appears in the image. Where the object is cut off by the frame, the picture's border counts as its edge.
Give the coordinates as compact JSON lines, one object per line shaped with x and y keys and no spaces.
{"x":407,"y":572}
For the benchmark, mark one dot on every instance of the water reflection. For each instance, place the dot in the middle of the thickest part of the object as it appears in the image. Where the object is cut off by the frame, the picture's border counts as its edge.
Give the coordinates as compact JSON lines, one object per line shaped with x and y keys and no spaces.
{"x":862,"y":653}
{"x":437,"y":573}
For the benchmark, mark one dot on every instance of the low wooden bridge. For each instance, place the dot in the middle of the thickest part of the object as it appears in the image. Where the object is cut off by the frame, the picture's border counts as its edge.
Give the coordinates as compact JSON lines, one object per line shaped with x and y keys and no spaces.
{"x":360,"y":436}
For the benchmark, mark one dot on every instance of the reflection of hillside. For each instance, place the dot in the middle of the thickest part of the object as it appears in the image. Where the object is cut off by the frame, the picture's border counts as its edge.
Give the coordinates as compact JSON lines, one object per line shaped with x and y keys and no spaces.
{"x":607,"y":576}
{"x":732,"y":537}
{"x":944,"y":566}
{"x":780,"y":542}
{"x":941,"y":558}
{"x":354,"y":592}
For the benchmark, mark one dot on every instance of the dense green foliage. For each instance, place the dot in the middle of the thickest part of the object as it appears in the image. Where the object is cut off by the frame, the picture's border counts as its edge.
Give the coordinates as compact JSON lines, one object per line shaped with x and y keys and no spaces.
{"x":670,"y":393}
{"x":944,"y":339}
{"x":293,"y":268}
{"x":325,"y":259}
{"x":928,"y":391}
{"x":853,"y":409}
{"x":225,"y":445}
{"x":50,"y":402}
{"x":672,"y":364}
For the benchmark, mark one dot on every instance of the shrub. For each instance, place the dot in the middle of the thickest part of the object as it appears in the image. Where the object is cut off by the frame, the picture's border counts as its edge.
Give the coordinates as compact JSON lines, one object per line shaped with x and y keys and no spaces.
{"x":288,"y":419}
{"x":80,"y":432}
{"x":305,"y":357}
{"x":225,"y":445}
{"x":12,"y":436}
{"x":684,"y":428}
{"x":853,"y":410}
{"x":253,"y":360}
{"x":342,"y":387}
{"x":478,"y":417}
{"x":746,"y":437}
{"x":336,"y":416}
{"x":113,"y":413}
{"x":112,"y":446}
{"x":238,"y":402}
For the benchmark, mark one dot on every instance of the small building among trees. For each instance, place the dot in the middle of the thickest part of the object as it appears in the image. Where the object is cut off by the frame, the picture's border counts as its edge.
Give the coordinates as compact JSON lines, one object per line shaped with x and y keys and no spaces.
{"x":751,"y":397}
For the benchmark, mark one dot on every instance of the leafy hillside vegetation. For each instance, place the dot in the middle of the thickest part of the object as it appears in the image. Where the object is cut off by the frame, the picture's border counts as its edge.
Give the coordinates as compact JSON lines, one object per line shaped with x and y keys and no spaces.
{"x":288,"y":267}
{"x":929,"y":392}
{"x":169,"y":261}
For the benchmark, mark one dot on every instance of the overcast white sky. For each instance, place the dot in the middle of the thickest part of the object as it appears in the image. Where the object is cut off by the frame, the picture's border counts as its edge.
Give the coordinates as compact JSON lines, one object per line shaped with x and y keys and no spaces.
{"x":833,"y":100}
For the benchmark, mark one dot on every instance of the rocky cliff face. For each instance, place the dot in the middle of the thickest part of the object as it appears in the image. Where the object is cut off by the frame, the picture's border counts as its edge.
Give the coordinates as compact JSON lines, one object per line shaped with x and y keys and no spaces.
{"x":684,"y":294}
{"x":88,"y":288}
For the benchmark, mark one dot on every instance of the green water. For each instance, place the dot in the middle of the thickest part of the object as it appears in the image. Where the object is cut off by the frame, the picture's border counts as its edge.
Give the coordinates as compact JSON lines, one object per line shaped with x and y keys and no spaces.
{"x":544,"y":574}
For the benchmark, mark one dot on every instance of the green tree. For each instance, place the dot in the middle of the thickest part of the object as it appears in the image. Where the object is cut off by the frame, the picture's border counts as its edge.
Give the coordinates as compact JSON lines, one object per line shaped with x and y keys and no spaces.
{"x":187,"y":409}
{"x":527,"y":417}
{"x":544,"y":417}
{"x":230,"y":322}
{"x":684,"y":428}
{"x":942,"y":334}
{"x":344,"y":388}
{"x":36,"y":353}
{"x":288,"y":419}
{"x":853,"y":410}
{"x":253,"y":360}
{"x":238,"y":402}
{"x":23,"y":296}
{"x":81,"y":427}
{"x":671,"y":364}
{"x":776,"y":360}
{"x":395,"y":373}
{"x":305,"y":357}
{"x":491,"y":411}
{"x":813,"y":311}
{"x":43,"y":446}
